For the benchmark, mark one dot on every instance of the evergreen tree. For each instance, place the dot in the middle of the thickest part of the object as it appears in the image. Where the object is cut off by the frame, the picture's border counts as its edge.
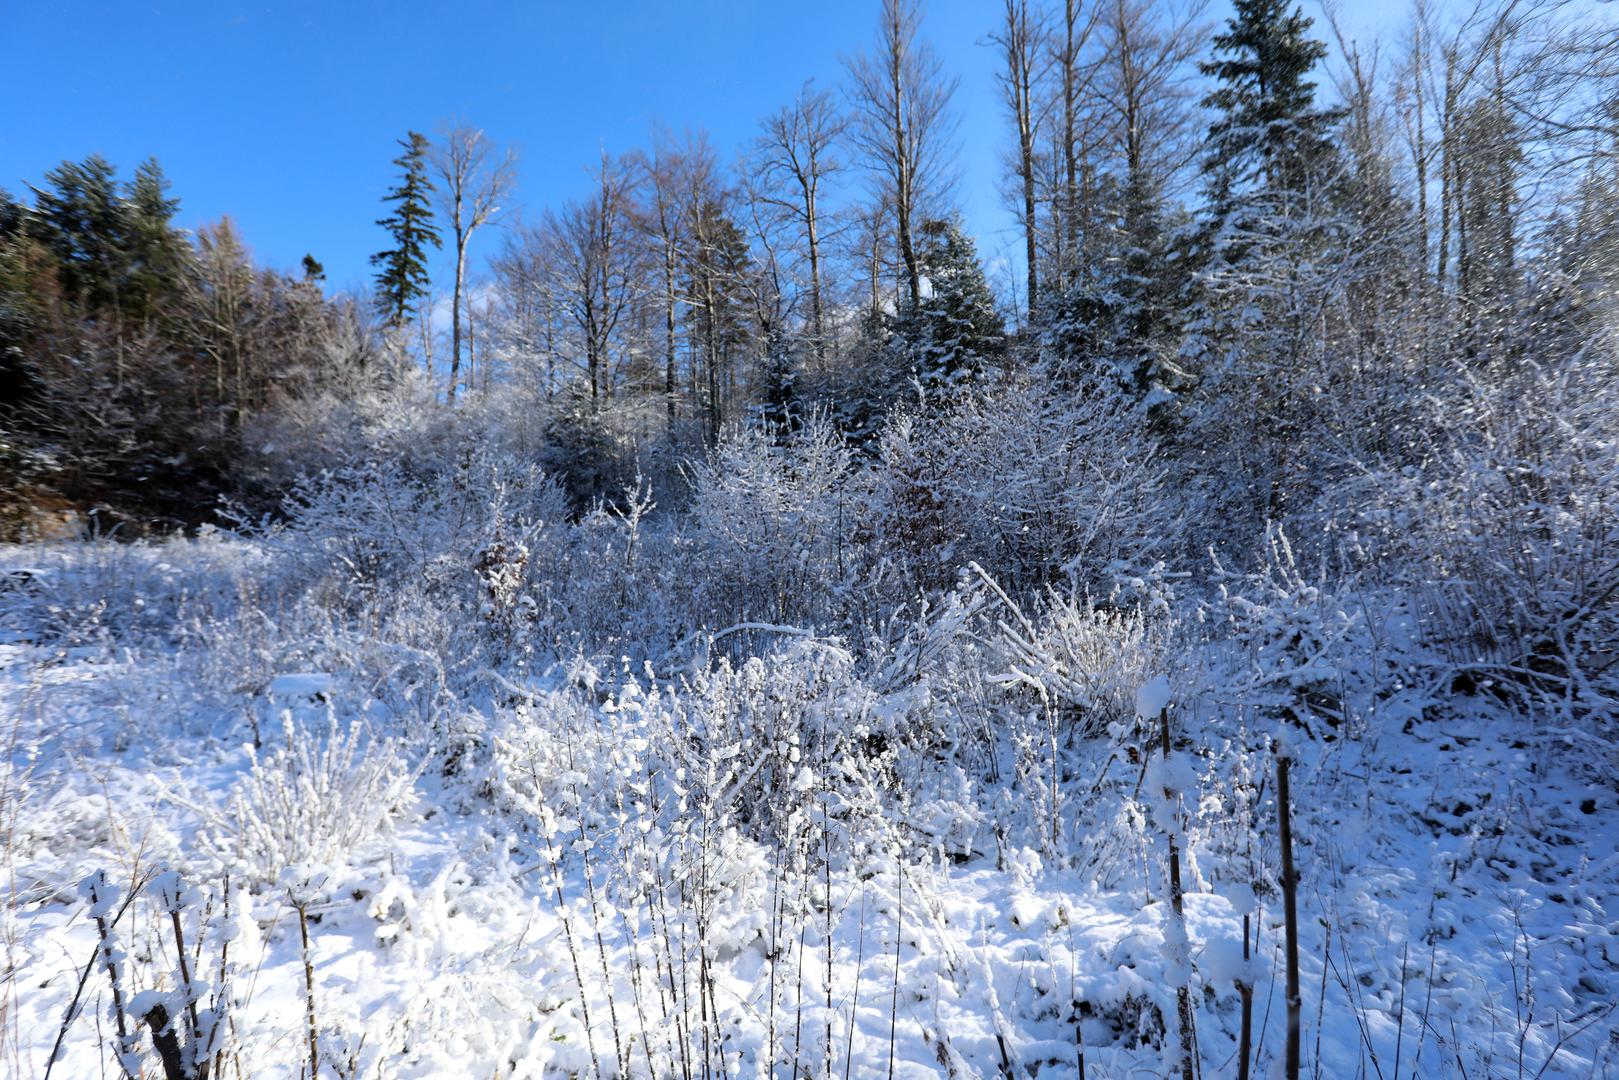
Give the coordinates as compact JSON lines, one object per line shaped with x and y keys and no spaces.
{"x":20,"y":309}
{"x":1269,"y":135}
{"x":155,"y":252}
{"x":402,"y":275}
{"x":11,"y":215}
{"x":78,"y":217}
{"x":778,"y":390}
{"x":1120,"y":320}
{"x":115,"y":247}
{"x":954,"y":328}
{"x":1275,"y":256}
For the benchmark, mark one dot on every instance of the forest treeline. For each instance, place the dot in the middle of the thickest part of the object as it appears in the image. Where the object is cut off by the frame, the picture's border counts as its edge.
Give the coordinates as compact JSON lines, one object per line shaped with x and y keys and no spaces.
{"x":1259,"y":241}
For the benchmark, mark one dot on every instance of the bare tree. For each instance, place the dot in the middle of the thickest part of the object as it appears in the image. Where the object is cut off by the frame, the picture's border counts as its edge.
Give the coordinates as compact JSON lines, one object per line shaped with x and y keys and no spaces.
{"x":903,"y":96}
{"x":1461,"y":56}
{"x":1072,"y":147}
{"x":528,"y":318}
{"x":869,"y":238}
{"x":711,"y":266}
{"x":217,"y":316}
{"x":1411,"y":97}
{"x":474,"y":182}
{"x":1022,"y":44}
{"x":793,"y":158}
{"x":1142,"y":85}
{"x":595,"y":261}
{"x":664,"y":218}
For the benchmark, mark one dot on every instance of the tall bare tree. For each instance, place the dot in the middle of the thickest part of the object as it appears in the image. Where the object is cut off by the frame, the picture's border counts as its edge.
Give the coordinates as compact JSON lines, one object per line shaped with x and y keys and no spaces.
{"x":794,"y":157}
{"x":660,"y":216}
{"x":474,"y":181}
{"x":1022,"y":44}
{"x":217,"y":316}
{"x":1070,"y":158}
{"x":525,"y":323}
{"x":1143,"y":83}
{"x":595,"y":260}
{"x":714,"y":255}
{"x":903,"y":97}
{"x":670,"y":173}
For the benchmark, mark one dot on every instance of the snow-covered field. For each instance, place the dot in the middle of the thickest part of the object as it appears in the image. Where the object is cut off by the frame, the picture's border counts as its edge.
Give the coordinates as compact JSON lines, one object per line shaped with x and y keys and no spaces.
{"x":407,"y":845}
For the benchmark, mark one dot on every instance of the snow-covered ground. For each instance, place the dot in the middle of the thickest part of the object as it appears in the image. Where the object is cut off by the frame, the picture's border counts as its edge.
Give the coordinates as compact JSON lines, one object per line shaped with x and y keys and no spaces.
{"x":944,"y":862}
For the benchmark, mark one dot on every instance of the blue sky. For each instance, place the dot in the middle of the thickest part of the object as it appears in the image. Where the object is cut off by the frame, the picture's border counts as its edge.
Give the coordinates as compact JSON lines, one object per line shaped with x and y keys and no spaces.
{"x":284,"y":114}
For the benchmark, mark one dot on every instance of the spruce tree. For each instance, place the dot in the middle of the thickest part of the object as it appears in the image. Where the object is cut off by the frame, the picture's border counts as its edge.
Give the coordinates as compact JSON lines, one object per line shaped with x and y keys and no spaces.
{"x":116,"y":250}
{"x":402,"y":277}
{"x":79,"y":219}
{"x":1116,"y":328}
{"x":20,"y":310}
{"x":954,"y":329}
{"x":1269,"y":135}
{"x":780,"y":406}
{"x":11,"y":215}
{"x":1274,"y":256}
{"x":156,"y":254}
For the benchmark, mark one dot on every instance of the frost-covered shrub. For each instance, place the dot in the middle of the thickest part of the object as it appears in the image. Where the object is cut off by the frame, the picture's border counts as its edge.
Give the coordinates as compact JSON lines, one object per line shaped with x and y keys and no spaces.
{"x":1294,"y":637}
{"x":178,"y":1022}
{"x":1026,"y":481}
{"x":770,"y":527}
{"x":414,"y":561}
{"x":611,"y":584}
{"x":1504,"y":535}
{"x":777,"y":724}
{"x":374,"y":522}
{"x":83,"y":592}
{"x":317,"y":798}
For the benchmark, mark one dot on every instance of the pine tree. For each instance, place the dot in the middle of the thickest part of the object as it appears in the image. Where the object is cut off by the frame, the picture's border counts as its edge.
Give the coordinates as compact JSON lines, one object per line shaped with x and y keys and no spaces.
{"x":1117,"y":328}
{"x":402,"y":278}
{"x":1269,"y":135}
{"x":1274,"y":255}
{"x":779,"y":405}
{"x":11,"y":215}
{"x":20,"y":310}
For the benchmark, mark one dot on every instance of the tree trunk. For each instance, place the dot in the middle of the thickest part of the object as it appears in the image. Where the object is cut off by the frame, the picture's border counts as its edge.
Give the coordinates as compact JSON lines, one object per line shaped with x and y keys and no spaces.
{"x":903,"y":168}
{"x":1447,"y":154}
{"x":1070,"y":154}
{"x":1183,"y":994}
{"x":1290,"y":881}
{"x":455,"y":310}
{"x":669,"y":330}
{"x":812,"y":225}
{"x":1245,"y":991}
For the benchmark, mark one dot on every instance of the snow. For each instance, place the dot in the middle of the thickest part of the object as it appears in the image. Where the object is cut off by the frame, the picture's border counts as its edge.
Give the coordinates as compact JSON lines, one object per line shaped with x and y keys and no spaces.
{"x":300,"y":686}
{"x":1153,"y":697}
{"x":505,"y":874}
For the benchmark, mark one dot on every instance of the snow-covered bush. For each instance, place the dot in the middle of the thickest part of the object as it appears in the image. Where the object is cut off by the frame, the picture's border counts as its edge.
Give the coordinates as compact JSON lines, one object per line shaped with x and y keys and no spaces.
{"x":316,"y":798}
{"x":1504,"y":536}
{"x":1027,"y":481}
{"x":176,"y":1022}
{"x":778,"y":517}
{"x":97,"y":590}
{"x":1293,"y":637}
